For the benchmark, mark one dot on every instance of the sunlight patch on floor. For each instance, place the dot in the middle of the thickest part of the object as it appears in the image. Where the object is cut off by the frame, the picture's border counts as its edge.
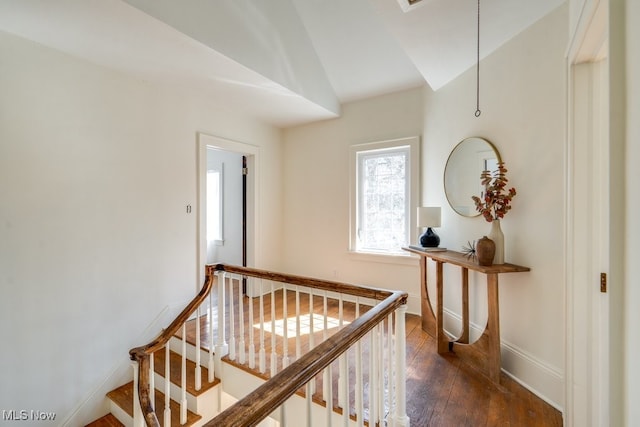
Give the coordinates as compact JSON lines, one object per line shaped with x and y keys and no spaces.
{"x":305,"y":324}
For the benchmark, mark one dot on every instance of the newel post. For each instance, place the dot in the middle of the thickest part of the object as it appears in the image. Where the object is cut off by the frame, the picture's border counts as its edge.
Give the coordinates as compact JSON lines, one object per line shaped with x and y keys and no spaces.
{"x":400,"y":416}
{"x":138,"y":417}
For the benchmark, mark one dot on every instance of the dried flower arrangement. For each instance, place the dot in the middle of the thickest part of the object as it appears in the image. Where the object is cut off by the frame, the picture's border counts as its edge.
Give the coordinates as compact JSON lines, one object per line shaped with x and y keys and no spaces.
{"x":495,"y":201}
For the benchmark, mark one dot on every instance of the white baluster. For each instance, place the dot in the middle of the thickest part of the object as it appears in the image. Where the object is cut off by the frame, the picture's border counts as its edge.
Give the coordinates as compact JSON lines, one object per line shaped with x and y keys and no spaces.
{"x":211,"y":364}
{"x":198,"y":368}
{"x":242,"y":355}
{"x":138,"y":418}
{"x":326,"y":380}
{"x":152,"y":381}
{"x":167,"y":385}
{"x":262,"y":352}
{"x":285,"y":328}
{"x":252,"y":345}
{"x":325,"y":315}
{"x":341,"y":359}
{"x":274,"y":355}
{"x":312,"y":329}
{"x":329,"y":396}
{"x":222,"y":348}
{"x":232,"y":322}
{"x":401,"y":418}
{"x":380,"y":402}
{"x":183,"y":384}
{"x":373,"y":378}
{"x":390,"y":363}
{"x":343,"y":387}
{"x":325,"y":327}
{"x":309,"y":400}
{"x":283,"y":415}
{"x":312,"y":336}
{"x":298,"y":338}
{"x":359,"y":388}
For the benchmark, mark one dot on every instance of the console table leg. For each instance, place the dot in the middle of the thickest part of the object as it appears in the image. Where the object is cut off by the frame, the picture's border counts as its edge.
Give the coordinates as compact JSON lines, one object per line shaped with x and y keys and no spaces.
{"x":428,"y":317}
{"x":464,"y":336}
{"x":493,"y":325}
{"x":441,"y":337}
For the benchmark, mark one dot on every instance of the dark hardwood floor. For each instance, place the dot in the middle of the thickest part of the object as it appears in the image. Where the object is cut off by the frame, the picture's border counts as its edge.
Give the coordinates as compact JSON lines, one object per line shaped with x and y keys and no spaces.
{"x":445,"y":391}
{"x":442,"y":390}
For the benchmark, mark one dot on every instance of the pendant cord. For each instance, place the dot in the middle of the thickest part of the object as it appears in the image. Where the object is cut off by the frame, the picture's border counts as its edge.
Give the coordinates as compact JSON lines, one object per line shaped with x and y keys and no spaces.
{"x":478,"y":112}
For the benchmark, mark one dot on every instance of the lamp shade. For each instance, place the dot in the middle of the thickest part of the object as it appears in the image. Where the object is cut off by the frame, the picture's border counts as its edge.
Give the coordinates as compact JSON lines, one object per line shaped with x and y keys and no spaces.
{"x":429,"y":216}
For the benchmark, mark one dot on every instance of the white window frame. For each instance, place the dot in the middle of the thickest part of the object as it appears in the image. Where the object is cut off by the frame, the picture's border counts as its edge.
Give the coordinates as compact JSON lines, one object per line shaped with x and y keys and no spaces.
{"x":412,"y":189}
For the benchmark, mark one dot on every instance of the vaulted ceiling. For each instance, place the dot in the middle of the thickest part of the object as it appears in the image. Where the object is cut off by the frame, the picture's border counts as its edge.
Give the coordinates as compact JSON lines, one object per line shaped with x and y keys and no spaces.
{"x":284,"y":62}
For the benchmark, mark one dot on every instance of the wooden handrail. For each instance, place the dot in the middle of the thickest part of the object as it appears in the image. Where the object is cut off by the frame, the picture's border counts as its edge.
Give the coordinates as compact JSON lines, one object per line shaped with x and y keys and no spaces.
{"x":291,"y":279}
{"x":160,"y":341}
{"x":258,"y":404}
{"x":280,"y":387}
{"x":142,"y":354}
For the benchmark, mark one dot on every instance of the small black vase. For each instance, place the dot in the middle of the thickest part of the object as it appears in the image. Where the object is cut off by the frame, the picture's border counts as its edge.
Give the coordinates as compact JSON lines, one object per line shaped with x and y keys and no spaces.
{"x":429,"y":239}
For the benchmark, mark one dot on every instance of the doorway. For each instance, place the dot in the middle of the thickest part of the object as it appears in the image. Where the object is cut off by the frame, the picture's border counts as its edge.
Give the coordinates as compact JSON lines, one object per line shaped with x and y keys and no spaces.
{"x":225,"y":205}
{"x":587,"y":382}
{"x":228,"y":233}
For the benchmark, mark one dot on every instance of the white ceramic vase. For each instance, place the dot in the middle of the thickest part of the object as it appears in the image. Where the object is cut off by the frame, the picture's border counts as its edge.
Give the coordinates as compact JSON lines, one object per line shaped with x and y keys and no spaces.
{"x":498,"y":238}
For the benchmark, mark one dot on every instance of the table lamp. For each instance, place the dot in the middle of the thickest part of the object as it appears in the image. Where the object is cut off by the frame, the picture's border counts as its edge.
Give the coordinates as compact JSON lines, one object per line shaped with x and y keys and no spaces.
{"x":429,"y":217}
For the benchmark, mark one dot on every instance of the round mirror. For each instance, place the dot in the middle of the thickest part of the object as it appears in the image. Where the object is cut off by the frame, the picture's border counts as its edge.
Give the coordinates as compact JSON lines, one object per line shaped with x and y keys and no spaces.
{"x":462,"y":173}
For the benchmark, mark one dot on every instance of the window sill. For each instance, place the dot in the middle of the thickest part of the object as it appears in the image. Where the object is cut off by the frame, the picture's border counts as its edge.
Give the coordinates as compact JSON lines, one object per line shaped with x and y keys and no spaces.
{"x":396,"y":258}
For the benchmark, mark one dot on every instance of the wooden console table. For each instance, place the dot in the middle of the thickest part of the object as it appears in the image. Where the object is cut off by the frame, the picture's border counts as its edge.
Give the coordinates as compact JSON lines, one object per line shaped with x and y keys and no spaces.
{"x":432,"y":323}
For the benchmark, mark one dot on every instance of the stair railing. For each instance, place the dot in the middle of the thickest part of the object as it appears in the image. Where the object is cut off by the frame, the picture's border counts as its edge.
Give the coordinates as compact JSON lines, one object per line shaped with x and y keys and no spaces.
{"x":144,"y":356}
{"x":297,"y":371}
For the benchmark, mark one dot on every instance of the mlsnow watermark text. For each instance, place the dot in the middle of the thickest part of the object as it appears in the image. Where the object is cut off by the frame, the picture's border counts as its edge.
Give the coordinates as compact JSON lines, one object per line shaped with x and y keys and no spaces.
{"x":27,"y":415}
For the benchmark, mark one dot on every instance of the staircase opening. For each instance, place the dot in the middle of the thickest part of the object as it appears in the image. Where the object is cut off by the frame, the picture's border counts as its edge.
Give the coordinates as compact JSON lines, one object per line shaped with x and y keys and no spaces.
{"x":302,"y":349}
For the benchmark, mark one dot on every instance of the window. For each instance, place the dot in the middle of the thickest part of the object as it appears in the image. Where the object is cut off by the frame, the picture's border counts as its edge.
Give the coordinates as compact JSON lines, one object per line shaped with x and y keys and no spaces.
{"x":384,"y":195}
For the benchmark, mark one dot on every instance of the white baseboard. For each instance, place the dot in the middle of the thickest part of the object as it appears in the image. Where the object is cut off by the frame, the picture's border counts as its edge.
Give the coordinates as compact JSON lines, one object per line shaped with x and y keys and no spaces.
{"x":413,"y":304}
{"x":542,"y":379}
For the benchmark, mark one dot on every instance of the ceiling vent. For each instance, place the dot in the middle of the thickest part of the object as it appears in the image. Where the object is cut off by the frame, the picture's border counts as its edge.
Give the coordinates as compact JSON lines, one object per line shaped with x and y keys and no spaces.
{"x":409,"y":5}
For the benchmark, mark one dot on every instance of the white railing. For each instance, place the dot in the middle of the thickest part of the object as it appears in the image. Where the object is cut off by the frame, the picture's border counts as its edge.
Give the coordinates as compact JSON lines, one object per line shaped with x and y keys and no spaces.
{"x":314,"y":333}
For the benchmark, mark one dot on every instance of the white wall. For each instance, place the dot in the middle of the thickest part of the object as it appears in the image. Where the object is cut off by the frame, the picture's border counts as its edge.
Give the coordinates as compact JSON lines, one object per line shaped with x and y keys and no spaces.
{"x":316,"y":202}
{"x":523,"y":114}
{"x":96,"y":170}
{"x":522,"y":90}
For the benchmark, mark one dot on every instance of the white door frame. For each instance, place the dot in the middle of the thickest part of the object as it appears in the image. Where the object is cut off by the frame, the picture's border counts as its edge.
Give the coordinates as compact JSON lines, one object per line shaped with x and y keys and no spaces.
{"x":587,"y":220}
{"x":252,"y":152}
